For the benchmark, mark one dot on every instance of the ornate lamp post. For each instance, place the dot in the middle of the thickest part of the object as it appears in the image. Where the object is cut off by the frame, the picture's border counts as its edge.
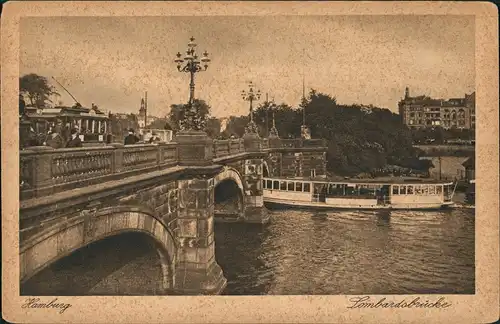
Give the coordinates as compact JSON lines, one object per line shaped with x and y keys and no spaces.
{"x":274,"y":130}
{"x":251,"y":95}
{"x":192,"y":119}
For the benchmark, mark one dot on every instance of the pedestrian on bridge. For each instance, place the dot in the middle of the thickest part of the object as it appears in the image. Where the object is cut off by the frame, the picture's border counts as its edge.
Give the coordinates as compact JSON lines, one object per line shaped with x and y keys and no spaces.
{"x":75,"y":140}
{"x":131,"y":138}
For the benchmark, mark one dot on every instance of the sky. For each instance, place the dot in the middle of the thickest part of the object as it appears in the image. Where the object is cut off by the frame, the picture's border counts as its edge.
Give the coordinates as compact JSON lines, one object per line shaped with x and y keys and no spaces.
{"x":111,"y":61}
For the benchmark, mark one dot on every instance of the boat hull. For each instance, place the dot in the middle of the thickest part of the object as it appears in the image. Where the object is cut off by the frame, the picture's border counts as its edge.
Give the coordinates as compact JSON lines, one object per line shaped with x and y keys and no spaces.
{"x":287,"y":204}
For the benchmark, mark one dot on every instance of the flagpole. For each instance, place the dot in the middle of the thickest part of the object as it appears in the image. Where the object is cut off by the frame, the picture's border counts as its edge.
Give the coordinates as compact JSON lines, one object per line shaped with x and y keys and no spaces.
{"x":303,"y":89}
{"x":267,"y":115}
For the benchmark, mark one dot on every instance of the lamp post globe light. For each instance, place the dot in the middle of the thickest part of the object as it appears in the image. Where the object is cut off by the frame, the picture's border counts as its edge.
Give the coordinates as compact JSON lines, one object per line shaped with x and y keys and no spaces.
{"x":191,"y":63}
{"x":251,"y":95}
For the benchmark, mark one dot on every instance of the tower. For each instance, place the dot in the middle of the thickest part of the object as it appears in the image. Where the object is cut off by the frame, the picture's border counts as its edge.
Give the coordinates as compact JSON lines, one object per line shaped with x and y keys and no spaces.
{"x":407,"y":93}
{"x":142,"y":114}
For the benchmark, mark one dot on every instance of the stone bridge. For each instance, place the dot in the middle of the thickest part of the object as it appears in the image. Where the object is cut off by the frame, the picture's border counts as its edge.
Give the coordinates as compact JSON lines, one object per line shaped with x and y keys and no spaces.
{"x":170,"y":193}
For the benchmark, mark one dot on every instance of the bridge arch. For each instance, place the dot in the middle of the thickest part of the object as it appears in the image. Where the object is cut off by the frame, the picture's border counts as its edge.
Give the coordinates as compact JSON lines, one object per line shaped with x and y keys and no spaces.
{"x":57,"y":242}
{"x":229,"y":193}
{"x":229,"y":173}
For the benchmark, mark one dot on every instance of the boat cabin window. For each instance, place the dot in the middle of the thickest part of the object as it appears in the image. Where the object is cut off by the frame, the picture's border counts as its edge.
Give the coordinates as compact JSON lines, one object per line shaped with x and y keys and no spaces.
{"x":432,"y":190}
{"x":276,"y":185}
{"x":298,"y":186}
{"x":264,"y":184}
{"x":283,"y":185}
{"x":291,"y":186}
{"x":269,"y":184}
{"x":409,"y":190}
{"x":439,"y":190}
{"x":307,"y":187}
{"x":402,"y":190}
{"x":395,"y":190}
{"x":418,"y":190}
{"x":425,"y":190}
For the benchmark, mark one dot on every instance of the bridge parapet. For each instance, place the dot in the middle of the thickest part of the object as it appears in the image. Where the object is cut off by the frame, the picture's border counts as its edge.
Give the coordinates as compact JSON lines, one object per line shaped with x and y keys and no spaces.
{"x":223,"y":148}
{"x":45,"y":171}
{"x":299,"y":142}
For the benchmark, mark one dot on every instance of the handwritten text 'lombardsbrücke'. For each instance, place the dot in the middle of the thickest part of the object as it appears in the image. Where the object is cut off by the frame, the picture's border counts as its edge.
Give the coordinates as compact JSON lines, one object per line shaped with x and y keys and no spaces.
{"x":417,"y":302}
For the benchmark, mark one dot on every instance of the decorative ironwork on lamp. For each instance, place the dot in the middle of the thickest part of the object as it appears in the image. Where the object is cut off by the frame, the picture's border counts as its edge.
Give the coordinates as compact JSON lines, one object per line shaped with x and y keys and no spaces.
{"x":251,"y":95}
{"x":191,"y":63}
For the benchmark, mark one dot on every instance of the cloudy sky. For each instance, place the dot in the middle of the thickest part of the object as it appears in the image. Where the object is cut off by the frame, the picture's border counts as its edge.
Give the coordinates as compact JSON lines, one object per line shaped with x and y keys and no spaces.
{"x":111,"y":61}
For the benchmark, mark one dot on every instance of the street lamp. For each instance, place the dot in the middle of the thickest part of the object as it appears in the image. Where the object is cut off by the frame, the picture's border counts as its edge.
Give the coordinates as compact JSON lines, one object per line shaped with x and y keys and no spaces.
{"x":192,"y":119}
{"x":251,"y":95}
{"x":274,"y":130}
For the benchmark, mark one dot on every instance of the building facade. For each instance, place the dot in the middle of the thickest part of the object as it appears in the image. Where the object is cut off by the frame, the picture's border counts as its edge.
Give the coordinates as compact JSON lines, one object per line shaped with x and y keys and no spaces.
{"x":426,"y":112}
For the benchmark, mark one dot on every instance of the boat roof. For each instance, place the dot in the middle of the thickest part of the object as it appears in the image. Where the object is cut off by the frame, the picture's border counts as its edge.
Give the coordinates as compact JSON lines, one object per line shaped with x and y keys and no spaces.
{"x":379,"y":181}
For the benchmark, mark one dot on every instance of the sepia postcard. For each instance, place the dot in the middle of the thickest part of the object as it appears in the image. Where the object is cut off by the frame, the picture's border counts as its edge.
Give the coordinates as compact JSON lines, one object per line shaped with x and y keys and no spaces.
{"x":250,"y":162}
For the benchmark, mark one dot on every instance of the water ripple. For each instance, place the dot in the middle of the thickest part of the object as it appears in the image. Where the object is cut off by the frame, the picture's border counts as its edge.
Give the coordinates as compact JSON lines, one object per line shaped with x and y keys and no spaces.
{"x":350,"y":252}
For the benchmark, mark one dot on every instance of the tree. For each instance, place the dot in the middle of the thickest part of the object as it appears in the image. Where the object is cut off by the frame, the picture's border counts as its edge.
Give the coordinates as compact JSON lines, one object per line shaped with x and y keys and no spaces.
{"x":120,"y":126}
{"x":177,"y":112}
{"x":37,"y":89}
{"x":160,"y":123}
{"x":213,"y":127}
{"x":287,"y":119}
{"x":236,"y":126}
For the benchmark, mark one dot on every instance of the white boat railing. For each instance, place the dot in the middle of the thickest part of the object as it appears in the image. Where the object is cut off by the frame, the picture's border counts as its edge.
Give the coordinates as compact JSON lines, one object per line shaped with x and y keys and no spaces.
{"x":315,"y":197}
{"x":453,"y":192}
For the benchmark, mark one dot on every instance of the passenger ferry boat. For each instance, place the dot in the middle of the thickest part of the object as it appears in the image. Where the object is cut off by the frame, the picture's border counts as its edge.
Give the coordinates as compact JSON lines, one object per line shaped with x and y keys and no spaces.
{"x":358,"y":194}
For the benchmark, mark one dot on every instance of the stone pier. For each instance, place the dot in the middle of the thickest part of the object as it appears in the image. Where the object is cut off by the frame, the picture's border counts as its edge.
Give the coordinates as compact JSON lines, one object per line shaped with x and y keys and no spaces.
{"x":255,"y":212}
{"x":197,"y":271}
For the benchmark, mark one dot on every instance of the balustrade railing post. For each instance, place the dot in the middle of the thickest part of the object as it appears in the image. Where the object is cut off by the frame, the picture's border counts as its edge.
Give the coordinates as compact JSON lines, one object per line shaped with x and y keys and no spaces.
{"x":160,"y":155}
{"x":194,"y":148}
{"x":117,"y":165}
{"x":42,"y":169}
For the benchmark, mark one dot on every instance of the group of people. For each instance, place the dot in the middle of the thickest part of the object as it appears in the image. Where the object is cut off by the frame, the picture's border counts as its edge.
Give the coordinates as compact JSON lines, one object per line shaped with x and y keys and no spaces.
{"x":148,"y":137}
{"x":59,"y":136}
{"x":55,"y":137}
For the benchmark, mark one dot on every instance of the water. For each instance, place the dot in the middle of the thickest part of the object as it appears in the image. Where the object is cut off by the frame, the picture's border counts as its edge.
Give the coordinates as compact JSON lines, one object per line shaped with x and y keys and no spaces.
{"x":299,"y":252}
{"x":351,"y":252}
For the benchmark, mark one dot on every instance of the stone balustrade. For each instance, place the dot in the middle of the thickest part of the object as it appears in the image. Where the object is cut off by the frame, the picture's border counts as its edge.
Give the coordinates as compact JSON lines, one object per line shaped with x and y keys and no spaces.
{"x":299,"y":142}
{"x":45,"y":171}
{"x":223,"y":148}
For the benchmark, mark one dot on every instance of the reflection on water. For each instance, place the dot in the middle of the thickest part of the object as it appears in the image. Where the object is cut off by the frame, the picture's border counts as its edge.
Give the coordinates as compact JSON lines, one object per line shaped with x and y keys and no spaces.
{"x":350,"y":252}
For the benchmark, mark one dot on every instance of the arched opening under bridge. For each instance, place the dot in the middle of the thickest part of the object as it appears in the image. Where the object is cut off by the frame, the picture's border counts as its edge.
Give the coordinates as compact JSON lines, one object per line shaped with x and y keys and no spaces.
{"x":228,"y":201}
{"x":129,"y":263}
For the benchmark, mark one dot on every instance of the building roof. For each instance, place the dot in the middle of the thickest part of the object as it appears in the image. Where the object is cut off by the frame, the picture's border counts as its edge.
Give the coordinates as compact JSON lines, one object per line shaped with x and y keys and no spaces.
{"x":424,"y":100}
